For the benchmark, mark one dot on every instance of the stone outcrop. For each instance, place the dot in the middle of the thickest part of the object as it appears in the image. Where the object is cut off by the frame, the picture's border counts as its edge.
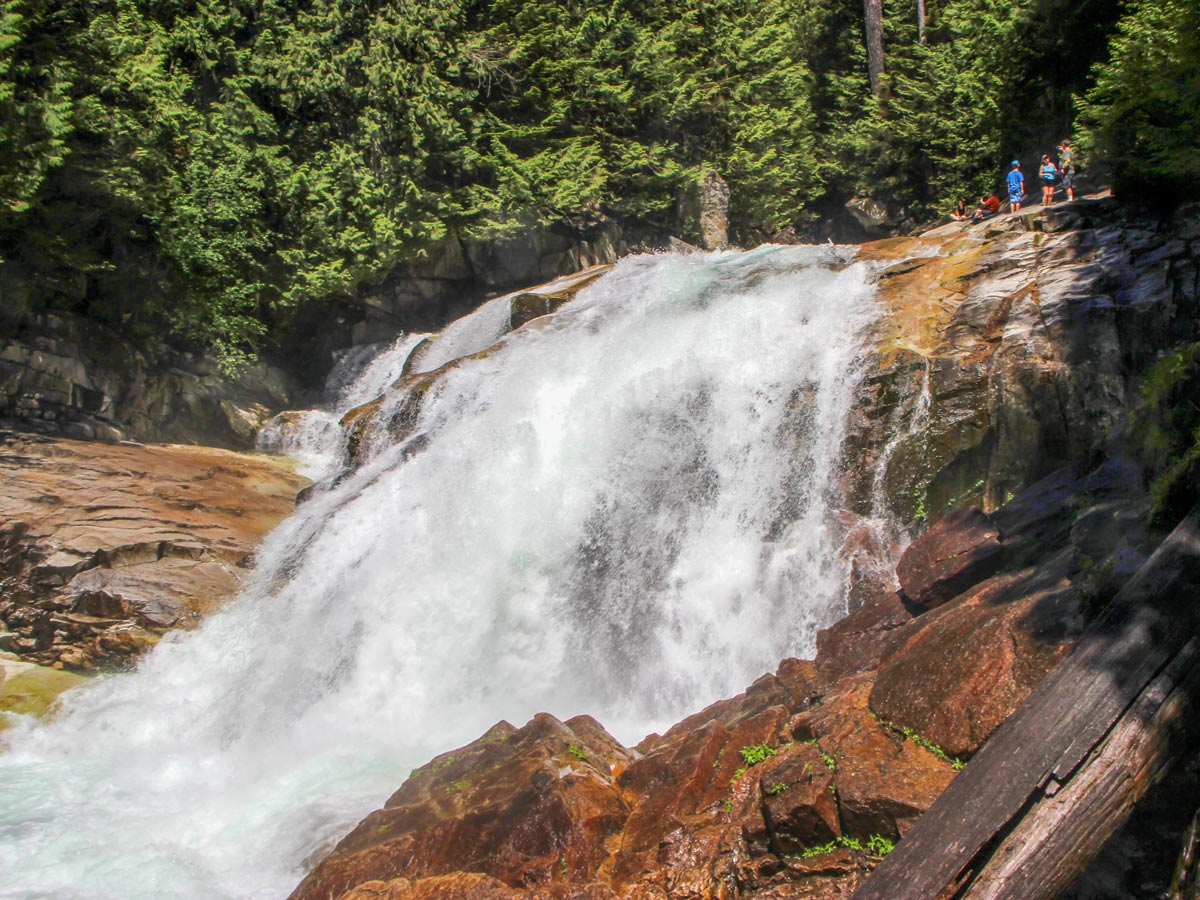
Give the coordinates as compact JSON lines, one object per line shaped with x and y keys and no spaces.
{"x":703,"y":211}
{"x":103,"y":547}
{"x":71,"y":377}
{"x":457,"y":275}
{"x":1009,"y":349}
{"x":27,"y":689}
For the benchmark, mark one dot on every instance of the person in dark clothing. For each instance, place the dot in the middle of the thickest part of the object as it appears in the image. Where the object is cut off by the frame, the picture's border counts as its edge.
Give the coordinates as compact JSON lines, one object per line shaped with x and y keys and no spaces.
{"x":960,"y":210}
{"x":1066,"y":165}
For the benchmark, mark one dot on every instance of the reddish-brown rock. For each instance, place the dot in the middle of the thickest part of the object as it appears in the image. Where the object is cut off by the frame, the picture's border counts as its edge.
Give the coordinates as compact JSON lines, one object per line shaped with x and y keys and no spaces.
{"x":105,"y":546}
{"x":799,"y":801}
{"x":959,"y":551}
{"x":527,"y":807}
{"x":960,"y":670}
{"x":857,"y":642}
{"x":471,"y":886}
{"x":883,"y":781}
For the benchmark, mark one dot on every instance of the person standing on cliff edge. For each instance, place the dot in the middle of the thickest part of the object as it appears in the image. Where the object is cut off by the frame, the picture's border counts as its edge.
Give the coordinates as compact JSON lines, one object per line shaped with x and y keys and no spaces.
{"x":1066,"y":165}
{"x":1048,"y":172}
{"x":1016,"y":187}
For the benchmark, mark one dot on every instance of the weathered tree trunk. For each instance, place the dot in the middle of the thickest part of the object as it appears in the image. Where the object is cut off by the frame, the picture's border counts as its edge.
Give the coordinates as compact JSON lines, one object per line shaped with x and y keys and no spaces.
{"x":921,"y":21}
{"x":1184,"y":885}
{"x":1064,"y":772}
{"x":873,"y":13}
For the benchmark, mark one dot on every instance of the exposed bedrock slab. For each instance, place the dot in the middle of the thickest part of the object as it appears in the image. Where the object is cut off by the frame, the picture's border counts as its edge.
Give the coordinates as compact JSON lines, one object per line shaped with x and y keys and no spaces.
{"x":103,"y":547}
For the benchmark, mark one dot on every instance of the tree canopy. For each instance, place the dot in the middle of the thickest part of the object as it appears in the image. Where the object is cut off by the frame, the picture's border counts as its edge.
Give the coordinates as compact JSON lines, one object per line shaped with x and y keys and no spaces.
{"x":204,"y":168}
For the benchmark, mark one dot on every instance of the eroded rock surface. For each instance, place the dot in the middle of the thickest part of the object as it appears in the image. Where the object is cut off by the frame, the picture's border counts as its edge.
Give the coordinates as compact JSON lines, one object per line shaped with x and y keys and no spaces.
{"x":1009,"y":349}
{"x":103,"y":547}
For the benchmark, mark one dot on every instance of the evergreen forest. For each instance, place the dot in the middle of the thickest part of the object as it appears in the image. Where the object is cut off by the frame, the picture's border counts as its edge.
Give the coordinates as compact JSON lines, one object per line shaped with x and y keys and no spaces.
{"x":205,"y":168}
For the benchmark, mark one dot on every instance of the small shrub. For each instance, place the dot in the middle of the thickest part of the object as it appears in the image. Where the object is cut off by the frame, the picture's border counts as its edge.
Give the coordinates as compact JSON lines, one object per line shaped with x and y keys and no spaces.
{"x":578,"y":752}
{"x":775,"y":789}
{"x":756,"y":753}
{"x":736,"y":775}
{"x":830,"y":761}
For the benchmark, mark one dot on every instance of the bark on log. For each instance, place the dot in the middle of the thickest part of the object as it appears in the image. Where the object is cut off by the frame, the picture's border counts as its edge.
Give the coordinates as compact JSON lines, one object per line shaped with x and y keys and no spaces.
{"x":921,"y":21}
{"x":1075,"y":757}
{"x":873,"y":14}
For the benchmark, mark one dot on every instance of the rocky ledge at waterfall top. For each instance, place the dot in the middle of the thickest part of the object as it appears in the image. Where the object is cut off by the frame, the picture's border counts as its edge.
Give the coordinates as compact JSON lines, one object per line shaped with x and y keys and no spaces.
{"x":1004,"y":367}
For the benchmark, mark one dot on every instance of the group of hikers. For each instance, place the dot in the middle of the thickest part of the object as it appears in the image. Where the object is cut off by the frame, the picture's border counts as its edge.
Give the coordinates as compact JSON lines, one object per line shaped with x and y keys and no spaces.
{"x":1050,"y":173}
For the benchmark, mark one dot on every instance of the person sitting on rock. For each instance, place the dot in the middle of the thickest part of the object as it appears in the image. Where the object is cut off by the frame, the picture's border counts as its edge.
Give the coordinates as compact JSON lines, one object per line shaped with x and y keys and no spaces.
{"x":960,"y":210}
{"x":1016,"y":186}
{"x":988,"y":207}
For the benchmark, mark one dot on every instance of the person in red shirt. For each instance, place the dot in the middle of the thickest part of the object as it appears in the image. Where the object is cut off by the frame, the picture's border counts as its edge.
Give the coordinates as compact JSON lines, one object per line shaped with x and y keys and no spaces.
{"x":988,"y":206}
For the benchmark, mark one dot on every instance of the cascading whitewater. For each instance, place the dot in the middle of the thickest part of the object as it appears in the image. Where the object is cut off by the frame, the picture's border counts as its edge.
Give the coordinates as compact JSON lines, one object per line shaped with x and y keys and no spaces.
{"x":622,"y":512}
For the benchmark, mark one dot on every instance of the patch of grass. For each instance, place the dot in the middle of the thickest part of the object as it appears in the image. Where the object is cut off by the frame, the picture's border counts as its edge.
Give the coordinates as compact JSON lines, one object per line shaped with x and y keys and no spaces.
{"x":818,"y":850}
{"x":920,"y":514}
{"x":738,"y":774}
{"x":578,"y":752}
{"x":972,"y":491}
{"x":717,"y":761}
{"x":756,"y":753}
{"x":776,"y":789}
{"x":455,"y":786}
{"x":921,"y":741}
{"x":728,"y":804}
{"x":830,"y":761}
{"x":438,"y":764}
{"x":878,"y":845}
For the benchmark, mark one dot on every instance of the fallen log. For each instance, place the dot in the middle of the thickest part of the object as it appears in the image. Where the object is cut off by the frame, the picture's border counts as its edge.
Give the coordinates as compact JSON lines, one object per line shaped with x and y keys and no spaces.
{"x":1063,"y":773}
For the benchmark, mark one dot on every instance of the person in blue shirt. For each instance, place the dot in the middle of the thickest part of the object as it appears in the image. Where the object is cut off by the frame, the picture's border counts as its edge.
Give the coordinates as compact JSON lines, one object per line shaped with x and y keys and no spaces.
{"x":1048,"y":172}
{"x":1016,"y":187}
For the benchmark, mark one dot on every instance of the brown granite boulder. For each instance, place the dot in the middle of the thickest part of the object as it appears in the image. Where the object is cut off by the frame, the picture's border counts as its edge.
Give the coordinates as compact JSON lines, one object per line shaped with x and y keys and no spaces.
{"x":957,"y":672}
{"x":962,"y":549}
{"x":528,"y":807}
{"x":857,"y":642}
{"x":106,"y":546}
{"x":800,"y":800}
{"x":883,"y":781}
{"x":472,"y":886}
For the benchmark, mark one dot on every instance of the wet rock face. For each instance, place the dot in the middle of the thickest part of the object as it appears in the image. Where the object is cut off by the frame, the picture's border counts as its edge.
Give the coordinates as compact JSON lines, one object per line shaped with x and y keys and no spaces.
{"x":1010,"y":349}
{"x":104,"y":547}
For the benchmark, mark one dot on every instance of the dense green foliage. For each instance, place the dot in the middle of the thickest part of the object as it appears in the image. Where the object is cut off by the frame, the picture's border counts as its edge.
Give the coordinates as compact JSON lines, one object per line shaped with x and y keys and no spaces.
{"x":208,"y":167}
{"x":1143,"y":114}
{"x":1167,"y":427}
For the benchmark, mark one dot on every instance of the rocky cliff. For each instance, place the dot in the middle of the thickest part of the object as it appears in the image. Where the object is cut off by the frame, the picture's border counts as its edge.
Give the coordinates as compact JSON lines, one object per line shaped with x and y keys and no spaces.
{"x":66,"y":375}
{"x":1004,"y":368}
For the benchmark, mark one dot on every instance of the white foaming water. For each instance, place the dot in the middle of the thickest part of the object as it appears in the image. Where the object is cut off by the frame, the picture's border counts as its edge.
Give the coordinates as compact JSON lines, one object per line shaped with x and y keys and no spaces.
{"x":314,"y":437}
{"x":623,"y":512}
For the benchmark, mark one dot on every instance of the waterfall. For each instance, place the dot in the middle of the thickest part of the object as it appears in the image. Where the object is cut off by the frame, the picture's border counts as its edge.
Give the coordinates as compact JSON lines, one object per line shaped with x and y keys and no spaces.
{"x":623,"y":511}
{"x":314,"y":437}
